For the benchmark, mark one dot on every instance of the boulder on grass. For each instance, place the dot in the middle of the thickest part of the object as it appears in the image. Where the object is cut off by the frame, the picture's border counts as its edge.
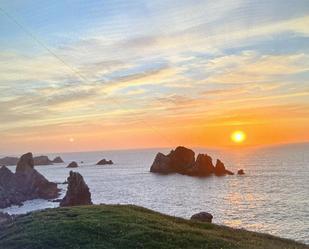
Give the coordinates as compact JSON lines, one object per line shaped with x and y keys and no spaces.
{"x":202,"y":216}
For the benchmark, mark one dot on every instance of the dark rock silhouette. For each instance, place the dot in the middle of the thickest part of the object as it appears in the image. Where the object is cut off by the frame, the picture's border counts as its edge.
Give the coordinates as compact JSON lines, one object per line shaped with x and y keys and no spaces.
{"x":104,"y":162}
{"x":78,"y":192}
{"x":72,"y":165}
{"x":25,"y":184}
{"x":182,"y":160}
{"x":8,"y":161}
{"x":203,"y":166}
{"x":161,"y":164}
{"x":241,"y":172}
{"x":42,"y":160}
{"x":202,"y":216}
{"x":220,"y":169}
{"x":58,"y":159}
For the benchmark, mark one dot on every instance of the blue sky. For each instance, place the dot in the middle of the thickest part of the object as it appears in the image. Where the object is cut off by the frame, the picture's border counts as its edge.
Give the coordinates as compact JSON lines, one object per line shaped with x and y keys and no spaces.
{"x":198,"y":63}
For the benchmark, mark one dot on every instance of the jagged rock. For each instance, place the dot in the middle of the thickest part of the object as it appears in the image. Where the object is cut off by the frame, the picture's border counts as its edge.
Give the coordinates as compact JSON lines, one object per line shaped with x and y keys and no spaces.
{"x":161,"y":164}
{"x":203,"y":166}
{"x":42,"y":160}
{"x":72,"y":165}
{"x":78,"y":192}
{"x":220,"y":169}
{"x":104,"y":162}
{"x":58,"y":159}
{"x":202,"y":216}
{"x":241,"y":172}
{"x":8,"y":161}
{"x":25,"y":184}
{"x":182,"y":160}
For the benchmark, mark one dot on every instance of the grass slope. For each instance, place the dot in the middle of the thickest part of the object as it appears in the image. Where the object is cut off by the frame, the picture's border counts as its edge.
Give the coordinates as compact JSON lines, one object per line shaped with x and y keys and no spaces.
{"x":116,"y":226}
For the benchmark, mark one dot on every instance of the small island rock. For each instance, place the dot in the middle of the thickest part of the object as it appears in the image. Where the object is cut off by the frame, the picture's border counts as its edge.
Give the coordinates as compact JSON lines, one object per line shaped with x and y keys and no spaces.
{"x":104,"y":162}
{"x":8,"y":161}
{"x":182,"y":161}
{"x":241,"y":172}
{"x":58,"y":159}
{"x":77,"y":193}
{"x":42,"y":160}
{"x":72,"y":165}
{"x":203,"y":217}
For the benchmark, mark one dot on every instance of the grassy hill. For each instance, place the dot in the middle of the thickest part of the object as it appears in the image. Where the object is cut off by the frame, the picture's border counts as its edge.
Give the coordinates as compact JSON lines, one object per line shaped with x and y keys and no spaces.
{"x":116,"y":226}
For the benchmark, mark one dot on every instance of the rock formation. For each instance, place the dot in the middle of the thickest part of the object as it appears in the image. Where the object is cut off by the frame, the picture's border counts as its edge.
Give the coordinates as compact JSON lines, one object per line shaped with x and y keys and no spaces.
{"x":25,"y":184}
{"x":58,"y":159}
{"x":241,"y":172}
{"x":72,"y":165}
{"x":8,"y":161}
{"x":104,"y":162}
{"x":78,"y":192}
{"x":42,"y":160}
{"x":202,"y":216}
{"x":182,"y":160}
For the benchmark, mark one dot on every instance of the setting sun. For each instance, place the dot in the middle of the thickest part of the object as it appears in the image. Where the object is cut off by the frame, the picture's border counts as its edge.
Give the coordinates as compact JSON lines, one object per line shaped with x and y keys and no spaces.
{"x":238,"y":136}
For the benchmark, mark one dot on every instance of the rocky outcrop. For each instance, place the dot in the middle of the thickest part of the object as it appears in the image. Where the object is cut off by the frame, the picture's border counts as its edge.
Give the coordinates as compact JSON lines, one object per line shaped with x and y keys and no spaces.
{"x":203,"y":217}
{"x":58,"y":159}
{"x":8,"y":161}
{"x":161,"y":164}
{"x":78,"y":192}
{"x":25,"y":184}
{"x":220,"y":169}
{"x":182,"y":160}
{"x":240,"y":172}
{"x":39,"y":160}
{"x":42,"y":160}
{"x":104,"y":162}
{"x":72,"y":165}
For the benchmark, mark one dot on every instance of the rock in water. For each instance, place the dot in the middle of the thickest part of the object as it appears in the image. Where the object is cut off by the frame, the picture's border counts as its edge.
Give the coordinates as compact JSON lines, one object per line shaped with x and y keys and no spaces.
{"x":25,"y":184}
{"x":240,"y":172}
{"x":104,"y":162}
{"x":42,"y":160}
{"x":8,"y":161}
{"x":203,"y":166}
{"x":220,"y":169}
{"x":72,"y":165}
{"x":58,"y":159}
{"x":78,"y":192}
{"x":161,"y":164}
{"x":182,"y":159}
{"x":202,"y":216}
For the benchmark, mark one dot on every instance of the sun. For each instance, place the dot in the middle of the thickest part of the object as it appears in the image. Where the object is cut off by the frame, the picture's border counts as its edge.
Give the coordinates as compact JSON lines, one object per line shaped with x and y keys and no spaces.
{"x":238,"y":136}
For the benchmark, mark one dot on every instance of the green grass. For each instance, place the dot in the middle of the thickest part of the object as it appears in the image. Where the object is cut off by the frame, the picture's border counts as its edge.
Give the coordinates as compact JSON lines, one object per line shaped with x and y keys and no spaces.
{"x":116,"y":226}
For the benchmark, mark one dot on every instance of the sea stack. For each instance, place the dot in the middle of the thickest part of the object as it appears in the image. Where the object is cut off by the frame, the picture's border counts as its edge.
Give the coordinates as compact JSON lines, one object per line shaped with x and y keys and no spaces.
{"x":104,"y":162}
{"x":182,"y":161}
{"x":25,"y":184}
{"x":72,"y":165}
{"x":58,"y":159}
{"x":77,"y":193}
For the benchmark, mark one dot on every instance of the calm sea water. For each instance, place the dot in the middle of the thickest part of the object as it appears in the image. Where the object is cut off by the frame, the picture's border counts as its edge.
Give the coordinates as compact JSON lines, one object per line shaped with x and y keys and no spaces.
{"x":273,"y":196}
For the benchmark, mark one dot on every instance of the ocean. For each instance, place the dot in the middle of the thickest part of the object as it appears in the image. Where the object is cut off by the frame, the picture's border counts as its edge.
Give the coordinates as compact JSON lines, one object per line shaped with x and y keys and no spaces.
{"x":272,"y":197}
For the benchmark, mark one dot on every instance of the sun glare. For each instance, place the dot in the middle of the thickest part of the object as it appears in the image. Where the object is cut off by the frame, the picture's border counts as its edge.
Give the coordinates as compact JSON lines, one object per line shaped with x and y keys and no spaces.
{"x":238,"y":136}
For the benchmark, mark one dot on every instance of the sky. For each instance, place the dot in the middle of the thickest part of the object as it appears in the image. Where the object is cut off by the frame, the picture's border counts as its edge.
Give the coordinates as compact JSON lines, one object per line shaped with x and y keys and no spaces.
{"x":99,"y":75}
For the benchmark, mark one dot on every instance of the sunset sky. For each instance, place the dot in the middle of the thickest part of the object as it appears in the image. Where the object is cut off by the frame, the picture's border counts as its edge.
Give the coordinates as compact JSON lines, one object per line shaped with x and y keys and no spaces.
{"x":91,"y":75}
